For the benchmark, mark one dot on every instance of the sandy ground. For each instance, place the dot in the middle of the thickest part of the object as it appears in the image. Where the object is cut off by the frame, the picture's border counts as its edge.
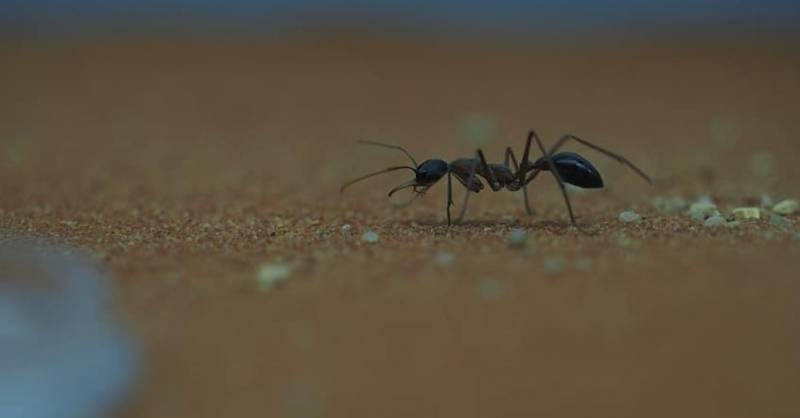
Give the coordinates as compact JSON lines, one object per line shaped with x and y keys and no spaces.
{"x":185,"y":166}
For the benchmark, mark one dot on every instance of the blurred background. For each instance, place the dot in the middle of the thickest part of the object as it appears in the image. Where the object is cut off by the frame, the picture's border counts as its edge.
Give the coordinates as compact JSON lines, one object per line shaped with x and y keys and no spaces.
{"x":521,"y":18}
{"x":195,"y":149}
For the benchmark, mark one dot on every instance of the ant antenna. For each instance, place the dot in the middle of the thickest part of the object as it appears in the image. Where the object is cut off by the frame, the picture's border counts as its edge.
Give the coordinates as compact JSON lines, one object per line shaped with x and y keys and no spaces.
{"x":366,"y":176}
{"x":397,"y":147}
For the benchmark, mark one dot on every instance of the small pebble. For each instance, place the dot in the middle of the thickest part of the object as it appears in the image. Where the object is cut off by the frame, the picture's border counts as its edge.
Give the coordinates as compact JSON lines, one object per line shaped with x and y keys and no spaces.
{"x":345,"y":228}
{"x":701,"y":210}
{"x":491,"y":289}
{"x":779,"y":221}
{"x":714,"y":222}
{"x":786,"y":207}
{"x":370,"y":237}
{"x":445,"y":258}
{"x":553,"y":266}
{"x":744,"y":214}
{"x":517,"y":238}
{"x":270,"y":275}
{"x":670,"y":204}
{"x":629,"y":216}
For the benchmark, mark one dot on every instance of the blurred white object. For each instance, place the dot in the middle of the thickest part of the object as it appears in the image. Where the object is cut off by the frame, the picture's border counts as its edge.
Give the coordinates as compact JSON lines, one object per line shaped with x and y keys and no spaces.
{"x":62,"y":355}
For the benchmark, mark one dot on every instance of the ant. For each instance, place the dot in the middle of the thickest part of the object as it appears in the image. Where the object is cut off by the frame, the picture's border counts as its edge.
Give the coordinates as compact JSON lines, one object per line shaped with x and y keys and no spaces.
{"x":570,"y":167}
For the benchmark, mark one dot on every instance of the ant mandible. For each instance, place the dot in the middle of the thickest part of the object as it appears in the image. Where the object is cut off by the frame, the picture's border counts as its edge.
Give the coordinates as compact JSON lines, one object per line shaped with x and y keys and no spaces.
{"x":571,"y":168}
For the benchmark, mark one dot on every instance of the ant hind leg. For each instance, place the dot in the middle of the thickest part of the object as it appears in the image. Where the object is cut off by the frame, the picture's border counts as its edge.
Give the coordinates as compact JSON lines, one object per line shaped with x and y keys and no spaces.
{"x":449,"y":196}
{"x":557,"y":176}
{"x":614,"y":156}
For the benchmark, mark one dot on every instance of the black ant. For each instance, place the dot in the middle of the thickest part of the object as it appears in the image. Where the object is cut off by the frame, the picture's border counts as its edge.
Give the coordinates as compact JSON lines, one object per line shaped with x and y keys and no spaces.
{"x":571,"y":168}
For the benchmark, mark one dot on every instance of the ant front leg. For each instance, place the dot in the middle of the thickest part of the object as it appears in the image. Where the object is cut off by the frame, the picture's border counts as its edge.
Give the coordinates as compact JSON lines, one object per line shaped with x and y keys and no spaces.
{"x":473,"y":170}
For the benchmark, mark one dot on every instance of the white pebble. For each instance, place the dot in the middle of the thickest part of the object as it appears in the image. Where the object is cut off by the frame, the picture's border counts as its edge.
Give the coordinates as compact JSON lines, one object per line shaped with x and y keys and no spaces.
{"x":779,"y":221}
{"x":370,"y":237}
{"x":786,"y":207}
{"x":748,"y":213}
{"x":715,"y":222}
{"x":703,"y":209}
{"x":345,"y":228}
{"x":517,"y":238}
{"x":629,"y":216}
{"x":671,"y":204}
{"x":270,"y":275}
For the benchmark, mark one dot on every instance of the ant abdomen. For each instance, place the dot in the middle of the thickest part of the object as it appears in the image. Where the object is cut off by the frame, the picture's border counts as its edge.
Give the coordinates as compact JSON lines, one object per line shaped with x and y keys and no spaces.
{"x":573,"y":169}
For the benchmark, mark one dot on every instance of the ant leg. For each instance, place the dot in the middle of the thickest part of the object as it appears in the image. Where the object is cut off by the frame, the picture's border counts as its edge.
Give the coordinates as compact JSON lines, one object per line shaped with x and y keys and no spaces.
{"x":535,"y":172}
{"x":510,"y":154}
{"x":470,"y":179}
{"x":449,"y":196}
{"x":493,"y":183}
{"x":523,"y":164}
{"x":409,"y":202}
{"x":558,"y":179}
{"x":622,"y":160}
{"x":528,"y":208}
{"x":404,"y":185}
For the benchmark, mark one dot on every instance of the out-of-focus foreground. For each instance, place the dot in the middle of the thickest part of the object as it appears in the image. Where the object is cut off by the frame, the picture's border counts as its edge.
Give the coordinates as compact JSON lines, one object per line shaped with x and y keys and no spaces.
{"x":205,"y":174}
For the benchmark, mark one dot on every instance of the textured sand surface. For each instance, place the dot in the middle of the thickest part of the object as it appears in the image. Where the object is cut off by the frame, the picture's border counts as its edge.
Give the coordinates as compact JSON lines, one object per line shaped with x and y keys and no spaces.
{"x":185,"y":166}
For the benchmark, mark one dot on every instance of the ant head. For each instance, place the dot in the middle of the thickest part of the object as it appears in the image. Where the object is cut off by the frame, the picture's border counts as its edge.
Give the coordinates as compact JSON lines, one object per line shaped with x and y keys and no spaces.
{"x":430,"y":171}
{"x":573,"y":169}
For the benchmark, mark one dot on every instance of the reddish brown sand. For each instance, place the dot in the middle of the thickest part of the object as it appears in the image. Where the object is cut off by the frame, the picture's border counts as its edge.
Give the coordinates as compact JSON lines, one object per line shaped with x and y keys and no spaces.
{"x":184,"y":166}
